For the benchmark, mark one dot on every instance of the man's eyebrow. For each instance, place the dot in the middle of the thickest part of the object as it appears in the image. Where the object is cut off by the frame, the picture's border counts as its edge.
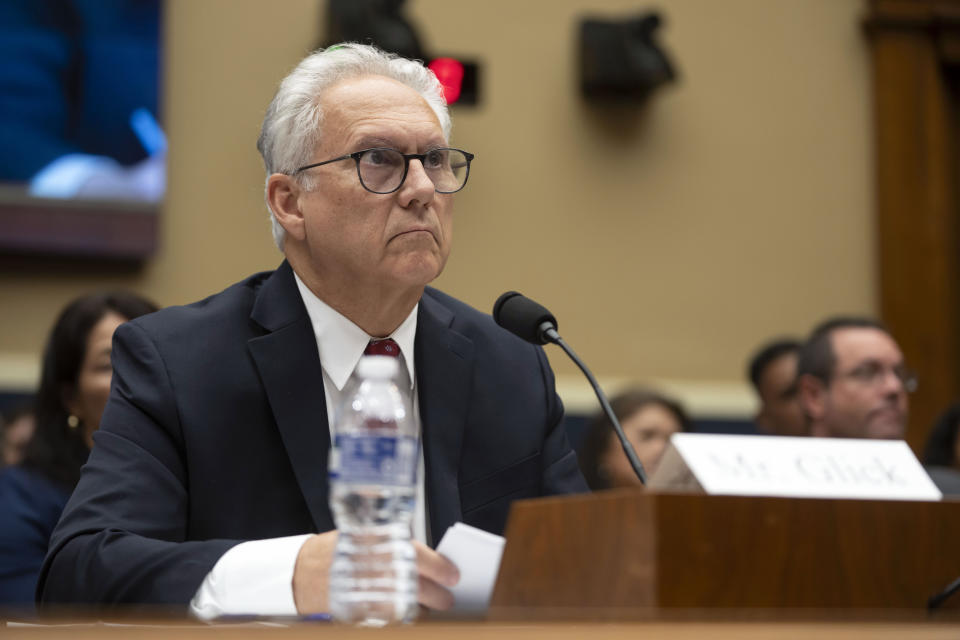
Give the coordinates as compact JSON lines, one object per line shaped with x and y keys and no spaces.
{"x":872,"y":362}
{"x":367,"y":142}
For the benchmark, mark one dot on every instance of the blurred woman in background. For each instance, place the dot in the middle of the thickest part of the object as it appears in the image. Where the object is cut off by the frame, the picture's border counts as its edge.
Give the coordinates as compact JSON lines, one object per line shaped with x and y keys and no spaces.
{"x":648,"y":420}
{"x":74,"y":387}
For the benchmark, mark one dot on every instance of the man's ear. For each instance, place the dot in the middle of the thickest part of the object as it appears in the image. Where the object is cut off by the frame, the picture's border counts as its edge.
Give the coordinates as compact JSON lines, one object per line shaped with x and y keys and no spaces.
{"x":812,"y":395}
{"x":283,"y":196}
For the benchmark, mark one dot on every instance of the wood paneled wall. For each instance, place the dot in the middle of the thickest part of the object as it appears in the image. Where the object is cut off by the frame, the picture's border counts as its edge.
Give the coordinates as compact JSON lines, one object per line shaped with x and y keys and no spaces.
{"x":915,"y":46}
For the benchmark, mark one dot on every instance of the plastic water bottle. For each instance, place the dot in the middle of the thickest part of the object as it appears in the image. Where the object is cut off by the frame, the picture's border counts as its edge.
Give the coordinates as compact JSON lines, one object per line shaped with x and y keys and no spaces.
{"x":373,"y":466}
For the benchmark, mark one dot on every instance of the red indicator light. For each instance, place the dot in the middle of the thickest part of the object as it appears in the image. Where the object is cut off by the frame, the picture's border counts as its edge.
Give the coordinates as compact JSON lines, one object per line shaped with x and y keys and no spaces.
{"x":450,"y":74}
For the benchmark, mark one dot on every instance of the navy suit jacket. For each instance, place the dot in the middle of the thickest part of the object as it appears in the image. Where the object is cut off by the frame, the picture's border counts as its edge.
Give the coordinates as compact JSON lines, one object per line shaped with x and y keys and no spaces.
{"x":216,"y":432}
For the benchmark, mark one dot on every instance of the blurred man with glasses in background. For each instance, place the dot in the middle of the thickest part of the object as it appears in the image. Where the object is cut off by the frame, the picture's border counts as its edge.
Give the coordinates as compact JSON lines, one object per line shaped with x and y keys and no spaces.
{"x":853,"y":382}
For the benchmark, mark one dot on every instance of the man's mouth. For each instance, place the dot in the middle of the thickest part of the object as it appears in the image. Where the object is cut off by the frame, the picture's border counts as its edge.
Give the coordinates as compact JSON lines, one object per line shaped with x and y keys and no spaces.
{"x":889,"y":413}
{"x":415,"y":231}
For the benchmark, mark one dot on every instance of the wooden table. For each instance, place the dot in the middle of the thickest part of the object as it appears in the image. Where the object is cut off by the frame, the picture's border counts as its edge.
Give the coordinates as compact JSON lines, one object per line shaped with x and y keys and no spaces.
{"x":678,"y":630}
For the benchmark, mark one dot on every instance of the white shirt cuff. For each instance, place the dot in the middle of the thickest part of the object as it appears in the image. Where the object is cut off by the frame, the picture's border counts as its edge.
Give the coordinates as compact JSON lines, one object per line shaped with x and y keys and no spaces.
{"x":252,"y":578}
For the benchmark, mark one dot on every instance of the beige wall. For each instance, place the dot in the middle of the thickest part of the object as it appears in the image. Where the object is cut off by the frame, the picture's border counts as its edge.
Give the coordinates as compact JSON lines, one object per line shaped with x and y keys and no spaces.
{"x":668,"y":241}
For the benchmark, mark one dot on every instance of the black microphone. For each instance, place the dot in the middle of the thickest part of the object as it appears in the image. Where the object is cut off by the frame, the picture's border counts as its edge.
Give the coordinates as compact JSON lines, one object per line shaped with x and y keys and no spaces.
{"x":526,"y":319}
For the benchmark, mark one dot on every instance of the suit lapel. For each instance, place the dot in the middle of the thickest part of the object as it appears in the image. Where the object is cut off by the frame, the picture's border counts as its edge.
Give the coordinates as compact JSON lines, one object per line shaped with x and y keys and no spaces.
{"x":289,"y":367}
{"x":444,"y":362}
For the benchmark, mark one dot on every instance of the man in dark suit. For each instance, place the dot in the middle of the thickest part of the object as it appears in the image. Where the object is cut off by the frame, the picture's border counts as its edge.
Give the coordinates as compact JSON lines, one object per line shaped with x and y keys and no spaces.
{"x":208,"y":482}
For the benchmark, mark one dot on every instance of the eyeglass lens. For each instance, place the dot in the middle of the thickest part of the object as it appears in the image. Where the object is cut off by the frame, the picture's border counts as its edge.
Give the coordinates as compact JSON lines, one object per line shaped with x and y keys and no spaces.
{"x":382,"y":170}
{"x":873,"y":373}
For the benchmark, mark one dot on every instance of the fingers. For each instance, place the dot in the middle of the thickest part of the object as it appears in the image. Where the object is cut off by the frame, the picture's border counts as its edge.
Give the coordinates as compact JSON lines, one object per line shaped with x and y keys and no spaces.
{"x":434,"y":566}
{"x":432,"y":595}
{"x":436,"y":573}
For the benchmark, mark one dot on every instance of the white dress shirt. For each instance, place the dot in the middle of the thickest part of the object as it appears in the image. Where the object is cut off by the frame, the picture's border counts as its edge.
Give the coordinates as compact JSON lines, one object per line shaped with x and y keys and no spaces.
{"x":256,"y":577}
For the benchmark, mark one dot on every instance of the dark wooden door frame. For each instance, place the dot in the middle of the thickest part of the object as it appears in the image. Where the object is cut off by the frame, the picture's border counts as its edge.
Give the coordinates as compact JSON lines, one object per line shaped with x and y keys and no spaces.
{"x":915,"y":51}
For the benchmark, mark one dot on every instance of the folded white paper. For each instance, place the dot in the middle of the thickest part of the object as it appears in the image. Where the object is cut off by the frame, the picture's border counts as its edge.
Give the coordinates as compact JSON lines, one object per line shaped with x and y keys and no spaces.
{"x":477,"y":555}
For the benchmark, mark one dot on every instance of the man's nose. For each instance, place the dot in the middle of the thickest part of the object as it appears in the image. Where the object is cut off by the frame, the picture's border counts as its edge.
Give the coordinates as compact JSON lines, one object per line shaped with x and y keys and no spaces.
{"x":893,"y":383}
{"x":417,"y":186}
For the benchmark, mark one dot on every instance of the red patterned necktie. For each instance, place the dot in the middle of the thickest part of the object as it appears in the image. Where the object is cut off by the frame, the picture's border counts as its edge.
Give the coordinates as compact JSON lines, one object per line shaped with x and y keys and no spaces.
{"x":386,"y":347}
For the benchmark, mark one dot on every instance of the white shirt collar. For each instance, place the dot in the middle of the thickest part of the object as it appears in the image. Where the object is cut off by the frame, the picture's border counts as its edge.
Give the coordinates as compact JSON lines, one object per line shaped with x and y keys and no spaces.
{"x":341,"y":342}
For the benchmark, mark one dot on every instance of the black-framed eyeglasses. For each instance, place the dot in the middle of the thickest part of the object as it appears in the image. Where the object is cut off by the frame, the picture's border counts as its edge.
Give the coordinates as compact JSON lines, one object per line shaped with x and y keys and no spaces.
{"x":383,"y":170}
{"x":872,"y":373}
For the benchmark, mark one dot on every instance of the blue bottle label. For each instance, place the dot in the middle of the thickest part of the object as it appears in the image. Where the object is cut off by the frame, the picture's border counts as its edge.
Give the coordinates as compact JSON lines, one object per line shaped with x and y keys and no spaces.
{"x":374,"y":459}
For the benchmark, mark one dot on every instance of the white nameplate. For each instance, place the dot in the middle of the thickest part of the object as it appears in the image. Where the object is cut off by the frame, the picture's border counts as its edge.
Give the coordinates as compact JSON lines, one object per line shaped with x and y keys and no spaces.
{"x":793,"y":467}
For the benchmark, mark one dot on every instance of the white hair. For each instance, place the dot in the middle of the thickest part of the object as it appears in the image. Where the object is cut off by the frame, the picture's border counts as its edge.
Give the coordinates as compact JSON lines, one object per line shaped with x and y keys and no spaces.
{"x":291,"y":127}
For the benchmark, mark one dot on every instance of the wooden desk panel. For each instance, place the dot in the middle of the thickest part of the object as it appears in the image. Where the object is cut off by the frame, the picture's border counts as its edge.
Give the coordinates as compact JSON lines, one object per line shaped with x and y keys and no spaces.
{"x":617,"y":555}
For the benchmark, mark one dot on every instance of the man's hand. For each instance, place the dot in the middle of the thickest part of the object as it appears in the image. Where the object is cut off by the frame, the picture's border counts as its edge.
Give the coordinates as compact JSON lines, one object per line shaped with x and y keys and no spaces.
{"x":311,"y":575}
{"x":436,"y":573}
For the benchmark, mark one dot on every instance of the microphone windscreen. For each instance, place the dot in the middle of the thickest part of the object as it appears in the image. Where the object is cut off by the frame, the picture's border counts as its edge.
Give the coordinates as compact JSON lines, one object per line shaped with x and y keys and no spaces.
{"x":522,"y":316}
